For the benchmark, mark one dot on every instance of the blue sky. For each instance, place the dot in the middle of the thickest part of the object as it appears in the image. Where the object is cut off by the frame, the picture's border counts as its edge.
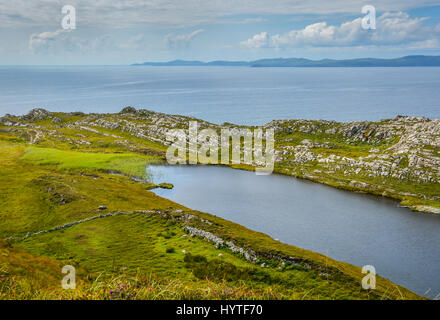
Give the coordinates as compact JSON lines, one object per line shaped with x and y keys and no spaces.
{"x":128,"y":31}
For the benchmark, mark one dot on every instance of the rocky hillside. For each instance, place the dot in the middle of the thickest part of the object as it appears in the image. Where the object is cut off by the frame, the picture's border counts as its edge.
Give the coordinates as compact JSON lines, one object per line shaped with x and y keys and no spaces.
{"x":398,"y":158}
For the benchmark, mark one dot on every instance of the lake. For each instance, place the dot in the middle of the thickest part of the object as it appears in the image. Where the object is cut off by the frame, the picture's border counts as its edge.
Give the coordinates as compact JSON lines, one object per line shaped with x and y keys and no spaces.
{"x":239,"y":95}
{"x":360,"y":229}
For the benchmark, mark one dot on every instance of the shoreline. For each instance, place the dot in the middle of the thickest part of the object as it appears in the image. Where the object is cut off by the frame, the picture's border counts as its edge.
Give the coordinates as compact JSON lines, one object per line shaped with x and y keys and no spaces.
{"x":395,"y":198}
{"x":64,"y":147}
{"x":396,"y":158}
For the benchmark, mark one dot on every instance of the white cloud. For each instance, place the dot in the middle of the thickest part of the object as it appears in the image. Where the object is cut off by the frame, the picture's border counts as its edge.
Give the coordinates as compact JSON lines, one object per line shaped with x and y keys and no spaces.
{"x":426,"y":44}
{"x":168,"y":13}
{"x":134,"y":42}
{"x":391,"y":29}
{"x":63,"y":41}
{"x":260,"y":40}
{"x":399,"y":27}
{"x":44,"y":39}
{"x":251,"y":20}
{"x":173,"y":41}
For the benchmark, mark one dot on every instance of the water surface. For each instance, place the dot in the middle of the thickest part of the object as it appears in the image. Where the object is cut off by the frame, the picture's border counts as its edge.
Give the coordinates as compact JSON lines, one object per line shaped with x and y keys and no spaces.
{"x":239,"y":95}
{"x":359,"y":229}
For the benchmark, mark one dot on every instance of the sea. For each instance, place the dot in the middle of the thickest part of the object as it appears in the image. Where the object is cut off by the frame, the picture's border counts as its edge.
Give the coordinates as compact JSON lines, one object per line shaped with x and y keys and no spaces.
{"x":241,"y":95}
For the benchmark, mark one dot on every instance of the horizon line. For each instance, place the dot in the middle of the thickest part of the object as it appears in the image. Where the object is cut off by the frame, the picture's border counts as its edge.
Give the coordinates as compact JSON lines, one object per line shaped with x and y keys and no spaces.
{"x":210,"y":61}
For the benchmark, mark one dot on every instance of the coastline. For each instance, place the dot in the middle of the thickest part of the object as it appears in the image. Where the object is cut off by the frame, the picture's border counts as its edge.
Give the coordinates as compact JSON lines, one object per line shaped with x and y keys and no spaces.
{"x":62,"y":149}
{"x":396,"y":158}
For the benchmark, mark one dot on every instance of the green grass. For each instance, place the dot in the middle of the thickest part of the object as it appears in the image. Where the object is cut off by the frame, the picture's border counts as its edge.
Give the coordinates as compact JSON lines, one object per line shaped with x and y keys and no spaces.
{"x":36,"y":196}
{"x":137,"y":244}
{"x":129,"y":164}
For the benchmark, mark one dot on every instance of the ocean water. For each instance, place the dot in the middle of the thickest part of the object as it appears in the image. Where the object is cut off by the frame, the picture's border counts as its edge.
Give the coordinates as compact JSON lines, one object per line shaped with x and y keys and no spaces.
{"x":226,"y":94}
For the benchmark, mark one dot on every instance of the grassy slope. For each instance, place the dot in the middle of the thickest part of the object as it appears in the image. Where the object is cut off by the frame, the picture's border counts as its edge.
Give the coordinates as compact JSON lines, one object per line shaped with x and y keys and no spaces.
{"x":141,"y":252}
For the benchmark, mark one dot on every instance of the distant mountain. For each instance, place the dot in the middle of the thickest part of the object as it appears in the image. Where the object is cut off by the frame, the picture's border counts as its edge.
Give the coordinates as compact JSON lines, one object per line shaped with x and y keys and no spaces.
{"x":408,"y":61}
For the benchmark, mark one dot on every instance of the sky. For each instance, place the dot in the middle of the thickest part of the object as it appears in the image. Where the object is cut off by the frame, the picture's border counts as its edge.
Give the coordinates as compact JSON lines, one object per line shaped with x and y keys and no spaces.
{"x":115,"y":32}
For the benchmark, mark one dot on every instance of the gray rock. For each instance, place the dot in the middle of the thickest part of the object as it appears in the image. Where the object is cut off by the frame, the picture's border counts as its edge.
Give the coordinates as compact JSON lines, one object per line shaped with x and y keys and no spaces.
{"x":36,"y":114}
{"x":57,"y":120}
{"x":128,"y":110}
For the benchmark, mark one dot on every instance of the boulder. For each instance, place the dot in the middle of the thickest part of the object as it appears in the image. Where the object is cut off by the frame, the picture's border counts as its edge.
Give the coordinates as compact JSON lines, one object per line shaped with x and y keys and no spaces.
{"x":36,"y":114}
{"x":128,"y":110}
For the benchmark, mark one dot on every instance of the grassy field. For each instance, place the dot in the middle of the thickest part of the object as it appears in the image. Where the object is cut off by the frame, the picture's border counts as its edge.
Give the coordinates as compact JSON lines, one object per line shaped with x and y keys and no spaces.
{"x":128,"y":164}
{"x":146,"y":253}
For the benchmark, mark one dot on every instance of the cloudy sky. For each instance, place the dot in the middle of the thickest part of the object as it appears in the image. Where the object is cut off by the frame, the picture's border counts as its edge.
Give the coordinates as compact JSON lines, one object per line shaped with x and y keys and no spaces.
{"x":128,"y":31}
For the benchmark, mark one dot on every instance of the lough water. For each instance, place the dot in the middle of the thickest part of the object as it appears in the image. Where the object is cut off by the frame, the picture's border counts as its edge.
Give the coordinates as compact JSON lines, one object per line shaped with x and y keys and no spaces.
{"x":239,"y":95}
{"x":359,"y":229}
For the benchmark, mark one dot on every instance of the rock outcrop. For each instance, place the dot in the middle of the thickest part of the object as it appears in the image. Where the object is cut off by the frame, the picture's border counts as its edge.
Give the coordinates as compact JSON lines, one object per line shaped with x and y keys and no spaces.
{"x":384,"y":157}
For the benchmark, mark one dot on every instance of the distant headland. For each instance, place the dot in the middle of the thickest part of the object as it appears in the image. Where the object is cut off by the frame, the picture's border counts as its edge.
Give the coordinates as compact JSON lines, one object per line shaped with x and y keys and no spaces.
{"x":407,"y":61}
